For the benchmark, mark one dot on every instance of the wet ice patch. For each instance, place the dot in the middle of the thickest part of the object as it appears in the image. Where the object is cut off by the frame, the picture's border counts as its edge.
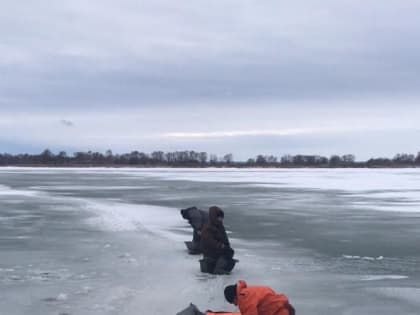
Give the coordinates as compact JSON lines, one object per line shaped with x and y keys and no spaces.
{"x":407,"y":207}
{"x":48,"y":275}
{"x":59,"y":298}
{"x":405,"y":295}
{"x":127,"y":258}
{"x":389,"y":200}
{"x":119,"y":297}
{"x":331,"y":179}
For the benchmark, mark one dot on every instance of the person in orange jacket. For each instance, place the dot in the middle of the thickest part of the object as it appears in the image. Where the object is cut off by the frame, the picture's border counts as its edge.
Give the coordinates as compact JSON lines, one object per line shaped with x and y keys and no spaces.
{"x":258,"y":300}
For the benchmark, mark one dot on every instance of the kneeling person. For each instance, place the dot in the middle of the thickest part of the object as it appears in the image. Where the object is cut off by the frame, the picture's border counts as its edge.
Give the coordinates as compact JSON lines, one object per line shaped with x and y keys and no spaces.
{"x":215,"y":243}
{"x":258,"y":300}
{"x":196,"y":218}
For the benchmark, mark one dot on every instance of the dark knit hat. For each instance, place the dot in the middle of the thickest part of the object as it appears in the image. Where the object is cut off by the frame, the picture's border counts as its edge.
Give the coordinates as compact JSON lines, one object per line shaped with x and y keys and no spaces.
{"x":230,"y":293}
{"x":184,"y":213}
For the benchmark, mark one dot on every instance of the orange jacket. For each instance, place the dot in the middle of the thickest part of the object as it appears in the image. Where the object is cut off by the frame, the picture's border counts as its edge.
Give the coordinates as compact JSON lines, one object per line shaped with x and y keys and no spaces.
{"x":259,"y":300}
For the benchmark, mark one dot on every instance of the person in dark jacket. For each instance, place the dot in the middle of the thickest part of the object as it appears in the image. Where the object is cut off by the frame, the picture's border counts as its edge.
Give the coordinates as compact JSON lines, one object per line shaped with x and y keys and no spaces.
{"x":196,"y":218}
{"x":215,"y":243}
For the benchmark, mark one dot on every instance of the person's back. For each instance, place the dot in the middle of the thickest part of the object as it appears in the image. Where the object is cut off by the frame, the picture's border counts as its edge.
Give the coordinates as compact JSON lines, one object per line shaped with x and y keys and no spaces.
{"x":215,"y":246}
{"x":258,"y":300}
{"x":197,"y":218}
{"x":214,"y":240}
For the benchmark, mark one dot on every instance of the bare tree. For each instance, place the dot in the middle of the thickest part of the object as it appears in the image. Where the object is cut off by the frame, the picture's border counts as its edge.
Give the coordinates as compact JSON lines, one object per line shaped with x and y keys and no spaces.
{"x":228,"y":158}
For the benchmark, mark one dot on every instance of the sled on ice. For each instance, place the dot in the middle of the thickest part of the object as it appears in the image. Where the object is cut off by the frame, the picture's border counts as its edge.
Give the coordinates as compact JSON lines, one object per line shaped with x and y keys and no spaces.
{"x":222,"y":266}
{"x":193,"y":310}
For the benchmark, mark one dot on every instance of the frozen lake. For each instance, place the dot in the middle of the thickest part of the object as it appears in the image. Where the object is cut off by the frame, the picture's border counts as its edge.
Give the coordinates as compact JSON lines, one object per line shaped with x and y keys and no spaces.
{"x":110,"y":241}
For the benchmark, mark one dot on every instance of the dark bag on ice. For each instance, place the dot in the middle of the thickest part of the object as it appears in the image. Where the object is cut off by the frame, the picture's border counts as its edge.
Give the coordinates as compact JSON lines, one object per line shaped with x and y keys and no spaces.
{"x":221,"y":266}
{"x":190,"y":310}
{"x":193,"y":310}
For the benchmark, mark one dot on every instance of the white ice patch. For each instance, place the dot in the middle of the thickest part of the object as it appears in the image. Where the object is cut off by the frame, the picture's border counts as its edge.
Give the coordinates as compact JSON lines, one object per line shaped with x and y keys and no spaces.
{"x":115,"y":216}
{"x":85,"y":188}
{"x":382,"y":277}
{"x":62,"y":297}
{"x":363,"y":257}
{"x":8,"y":191}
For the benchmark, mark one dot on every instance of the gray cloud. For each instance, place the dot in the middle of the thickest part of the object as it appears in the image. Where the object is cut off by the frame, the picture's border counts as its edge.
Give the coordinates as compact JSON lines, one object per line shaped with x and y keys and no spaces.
{"x":164,"y":52}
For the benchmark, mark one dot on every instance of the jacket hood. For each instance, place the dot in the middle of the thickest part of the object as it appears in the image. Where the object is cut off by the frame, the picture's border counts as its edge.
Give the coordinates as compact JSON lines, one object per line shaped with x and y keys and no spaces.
{"x":240,"y":285}
{"x":215,"y":212}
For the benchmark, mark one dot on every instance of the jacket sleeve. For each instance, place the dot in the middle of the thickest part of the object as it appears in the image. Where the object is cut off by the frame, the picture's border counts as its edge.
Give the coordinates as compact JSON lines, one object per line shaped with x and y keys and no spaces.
{"x":226,"y":239}
{"x":248,"y":305}
{"x":247,"y":299}
{"x":195,"y":219}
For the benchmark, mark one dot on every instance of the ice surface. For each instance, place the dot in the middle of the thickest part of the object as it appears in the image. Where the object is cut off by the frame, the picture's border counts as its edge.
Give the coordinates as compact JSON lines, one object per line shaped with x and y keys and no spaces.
{"x":110,"y":241}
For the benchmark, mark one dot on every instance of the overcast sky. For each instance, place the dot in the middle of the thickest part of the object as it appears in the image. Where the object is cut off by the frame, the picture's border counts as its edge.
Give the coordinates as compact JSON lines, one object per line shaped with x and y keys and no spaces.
{"x":230,"y":76}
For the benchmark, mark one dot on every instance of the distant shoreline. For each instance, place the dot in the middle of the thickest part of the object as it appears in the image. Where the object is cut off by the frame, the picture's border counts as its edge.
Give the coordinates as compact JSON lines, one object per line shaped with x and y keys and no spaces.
{"x":209,"y":166}
{"x":193,"y":159}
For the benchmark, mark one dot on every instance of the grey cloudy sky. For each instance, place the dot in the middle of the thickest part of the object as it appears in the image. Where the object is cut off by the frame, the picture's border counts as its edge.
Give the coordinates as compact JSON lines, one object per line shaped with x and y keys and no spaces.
{"x":241,"y":76}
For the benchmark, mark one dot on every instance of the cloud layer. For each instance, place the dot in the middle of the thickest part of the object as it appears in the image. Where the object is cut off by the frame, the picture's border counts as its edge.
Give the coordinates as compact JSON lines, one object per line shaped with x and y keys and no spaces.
{"x":175,"y":73}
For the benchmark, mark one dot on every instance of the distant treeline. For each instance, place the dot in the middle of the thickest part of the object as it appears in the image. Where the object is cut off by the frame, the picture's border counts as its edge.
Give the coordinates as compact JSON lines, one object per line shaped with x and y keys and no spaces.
{"x":198,"y":159}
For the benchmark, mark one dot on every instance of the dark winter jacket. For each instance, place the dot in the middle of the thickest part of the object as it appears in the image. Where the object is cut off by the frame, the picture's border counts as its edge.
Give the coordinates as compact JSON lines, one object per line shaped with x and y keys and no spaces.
{"x":196,"y":217}
{"x":214,"y":240}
